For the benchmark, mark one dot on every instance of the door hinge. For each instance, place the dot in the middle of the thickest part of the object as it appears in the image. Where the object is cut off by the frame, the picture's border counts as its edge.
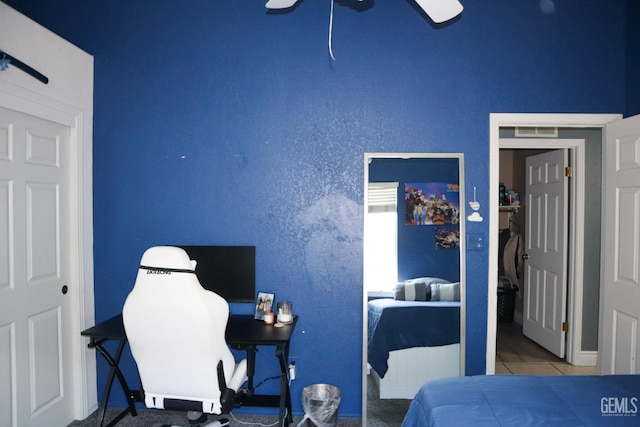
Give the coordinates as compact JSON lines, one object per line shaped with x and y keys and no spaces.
{"x":568,"y":171}
{"x":565,"y":327}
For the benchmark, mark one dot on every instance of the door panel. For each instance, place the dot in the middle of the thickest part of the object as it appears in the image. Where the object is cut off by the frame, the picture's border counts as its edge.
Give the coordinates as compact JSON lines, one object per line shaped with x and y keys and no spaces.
{"x":7,"y":381}
{"x":45,"y":360}
{"x":34,"y":313}
{"x":42,"y":242}
{"x":545,"y":240}
{"x":620,"y":292}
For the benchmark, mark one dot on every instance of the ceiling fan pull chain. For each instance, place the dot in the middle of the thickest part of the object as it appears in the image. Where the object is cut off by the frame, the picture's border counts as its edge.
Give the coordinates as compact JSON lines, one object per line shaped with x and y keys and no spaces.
{"x":331,"y":31}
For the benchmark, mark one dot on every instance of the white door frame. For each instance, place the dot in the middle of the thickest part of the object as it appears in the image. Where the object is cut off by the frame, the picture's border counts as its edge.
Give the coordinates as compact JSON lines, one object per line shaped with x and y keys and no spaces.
{"x":67,"y":99}
{"x":496,"y":121}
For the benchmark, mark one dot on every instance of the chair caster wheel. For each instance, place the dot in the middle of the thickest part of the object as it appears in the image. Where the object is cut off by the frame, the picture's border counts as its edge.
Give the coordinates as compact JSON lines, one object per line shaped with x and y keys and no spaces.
{"x":196,"y":418}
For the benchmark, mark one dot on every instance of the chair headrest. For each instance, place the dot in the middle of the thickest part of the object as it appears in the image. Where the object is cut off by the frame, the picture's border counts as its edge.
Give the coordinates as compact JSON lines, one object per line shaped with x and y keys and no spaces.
{"x":167,"y":257}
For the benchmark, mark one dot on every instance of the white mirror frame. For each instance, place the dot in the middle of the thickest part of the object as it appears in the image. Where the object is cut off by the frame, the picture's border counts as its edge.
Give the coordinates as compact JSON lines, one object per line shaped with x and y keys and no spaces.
{"x":368,"y":157}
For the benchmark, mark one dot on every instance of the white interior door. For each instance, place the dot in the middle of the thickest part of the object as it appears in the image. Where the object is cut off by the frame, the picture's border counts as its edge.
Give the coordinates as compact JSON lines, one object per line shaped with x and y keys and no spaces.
{"x":545,"y":273}
{"x":35,"y":323}
{"x":619,"y":337}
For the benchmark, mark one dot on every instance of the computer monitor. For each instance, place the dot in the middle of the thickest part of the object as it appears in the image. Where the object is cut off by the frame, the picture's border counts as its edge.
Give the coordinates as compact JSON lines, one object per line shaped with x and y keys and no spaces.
{"x":229,"y":271}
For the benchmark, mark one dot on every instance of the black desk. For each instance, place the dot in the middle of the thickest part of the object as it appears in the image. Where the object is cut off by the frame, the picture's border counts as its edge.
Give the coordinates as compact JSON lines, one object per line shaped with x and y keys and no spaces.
{"x":243,"y":333}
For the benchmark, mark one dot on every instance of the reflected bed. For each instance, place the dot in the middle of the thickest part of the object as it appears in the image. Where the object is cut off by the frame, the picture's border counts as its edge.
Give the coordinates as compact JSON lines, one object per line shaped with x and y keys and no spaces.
{"x":411,"y":342}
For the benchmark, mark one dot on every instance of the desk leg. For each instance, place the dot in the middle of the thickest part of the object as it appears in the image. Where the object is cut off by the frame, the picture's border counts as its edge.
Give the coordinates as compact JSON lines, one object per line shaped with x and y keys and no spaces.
{"x":286,"y":417}
{"x":283,"y":401}
{"x":251,"y":367}
{"x":114,"y":372}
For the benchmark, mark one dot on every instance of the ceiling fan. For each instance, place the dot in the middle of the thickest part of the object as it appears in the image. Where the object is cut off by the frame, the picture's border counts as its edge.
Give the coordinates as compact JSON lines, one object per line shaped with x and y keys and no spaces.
{"x":438,"y":10}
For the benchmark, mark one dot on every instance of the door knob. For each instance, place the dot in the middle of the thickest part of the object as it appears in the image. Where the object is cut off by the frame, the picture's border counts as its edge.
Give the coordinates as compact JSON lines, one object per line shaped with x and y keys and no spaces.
{"x":525,"y":257}
{"x":65,"y":289}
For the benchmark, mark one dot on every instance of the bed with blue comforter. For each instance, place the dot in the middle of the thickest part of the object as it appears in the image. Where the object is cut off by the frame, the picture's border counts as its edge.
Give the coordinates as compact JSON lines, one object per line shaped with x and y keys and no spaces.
{"x":397,"y":325}
{"x":519,"y":400}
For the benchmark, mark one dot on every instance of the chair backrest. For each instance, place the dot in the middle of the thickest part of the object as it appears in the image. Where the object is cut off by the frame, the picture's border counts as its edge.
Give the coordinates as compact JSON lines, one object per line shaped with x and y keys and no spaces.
{"x":176,"y":330}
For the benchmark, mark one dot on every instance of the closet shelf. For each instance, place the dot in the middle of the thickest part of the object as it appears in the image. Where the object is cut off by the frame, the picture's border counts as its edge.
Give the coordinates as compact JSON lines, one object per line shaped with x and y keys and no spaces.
{"x":509,"y":208}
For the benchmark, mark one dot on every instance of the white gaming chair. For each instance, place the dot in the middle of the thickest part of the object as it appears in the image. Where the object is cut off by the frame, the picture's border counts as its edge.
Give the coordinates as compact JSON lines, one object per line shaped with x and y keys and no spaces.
{"x":176,"y":330}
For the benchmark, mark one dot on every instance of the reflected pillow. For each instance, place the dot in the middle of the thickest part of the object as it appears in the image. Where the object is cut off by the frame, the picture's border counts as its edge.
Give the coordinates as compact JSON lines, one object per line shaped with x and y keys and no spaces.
{"x":445,"y":291}
{"x":418,"y":289}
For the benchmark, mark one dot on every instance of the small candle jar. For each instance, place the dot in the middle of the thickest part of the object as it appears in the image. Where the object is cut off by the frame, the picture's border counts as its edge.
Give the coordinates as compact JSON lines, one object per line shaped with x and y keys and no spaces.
{"x":269,"y":318}
{"x":285,"y":312}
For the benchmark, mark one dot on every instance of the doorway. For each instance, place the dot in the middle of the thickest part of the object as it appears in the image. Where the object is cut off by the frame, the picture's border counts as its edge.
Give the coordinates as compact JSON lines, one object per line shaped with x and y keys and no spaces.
{"x":534,"y":254}
{"x":577,"y":353}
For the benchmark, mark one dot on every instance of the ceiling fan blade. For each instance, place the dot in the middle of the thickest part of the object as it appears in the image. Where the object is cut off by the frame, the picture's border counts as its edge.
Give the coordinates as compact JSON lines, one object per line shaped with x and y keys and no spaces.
{"x":280,"y":4}
{"x":441,"y":10}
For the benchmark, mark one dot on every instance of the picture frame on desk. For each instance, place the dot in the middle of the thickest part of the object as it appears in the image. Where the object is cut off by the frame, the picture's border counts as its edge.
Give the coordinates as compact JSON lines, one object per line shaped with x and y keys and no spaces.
{"x":264,"y":304}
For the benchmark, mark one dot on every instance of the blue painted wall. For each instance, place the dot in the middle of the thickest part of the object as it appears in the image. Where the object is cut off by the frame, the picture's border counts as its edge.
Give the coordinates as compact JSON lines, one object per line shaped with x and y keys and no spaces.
{"x":219,"y":123}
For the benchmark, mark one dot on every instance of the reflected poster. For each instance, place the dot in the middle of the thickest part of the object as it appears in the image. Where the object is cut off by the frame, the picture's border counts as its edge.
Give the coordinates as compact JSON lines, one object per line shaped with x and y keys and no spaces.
{"x":431,"y":203}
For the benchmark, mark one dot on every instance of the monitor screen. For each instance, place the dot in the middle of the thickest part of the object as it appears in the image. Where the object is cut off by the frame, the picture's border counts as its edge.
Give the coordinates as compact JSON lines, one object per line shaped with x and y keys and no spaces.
{"x":229,"y":271}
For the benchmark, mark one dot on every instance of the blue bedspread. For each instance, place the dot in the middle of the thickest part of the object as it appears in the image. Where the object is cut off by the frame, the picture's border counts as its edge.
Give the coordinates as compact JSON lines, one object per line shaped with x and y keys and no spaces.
{"x":396,"y":325}
{"x":518,"y":400}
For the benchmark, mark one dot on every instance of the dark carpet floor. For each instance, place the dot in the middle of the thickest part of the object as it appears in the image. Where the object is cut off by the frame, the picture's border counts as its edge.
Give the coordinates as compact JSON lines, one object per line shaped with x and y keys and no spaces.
{"x":380,"y":413}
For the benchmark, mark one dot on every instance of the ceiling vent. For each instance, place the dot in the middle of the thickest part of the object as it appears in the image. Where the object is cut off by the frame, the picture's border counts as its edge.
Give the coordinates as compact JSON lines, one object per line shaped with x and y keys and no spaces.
{"x":536,"y":132}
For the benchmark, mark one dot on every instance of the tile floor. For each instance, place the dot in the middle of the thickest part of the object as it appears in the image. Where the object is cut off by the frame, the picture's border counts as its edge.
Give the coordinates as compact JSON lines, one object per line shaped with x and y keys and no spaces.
{"x":517,"y":354}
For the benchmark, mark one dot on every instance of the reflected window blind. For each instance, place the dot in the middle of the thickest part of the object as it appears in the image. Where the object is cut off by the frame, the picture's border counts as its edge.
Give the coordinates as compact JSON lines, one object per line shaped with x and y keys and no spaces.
{"x":382,"y":197}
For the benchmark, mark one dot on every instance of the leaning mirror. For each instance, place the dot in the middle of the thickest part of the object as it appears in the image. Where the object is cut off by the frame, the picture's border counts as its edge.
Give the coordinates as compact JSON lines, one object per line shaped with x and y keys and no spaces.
{"x":413,"y":278}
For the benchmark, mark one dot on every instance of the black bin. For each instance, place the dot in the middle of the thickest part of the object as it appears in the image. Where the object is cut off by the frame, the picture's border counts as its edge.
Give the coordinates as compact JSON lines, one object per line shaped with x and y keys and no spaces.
{"x":506,"y":299}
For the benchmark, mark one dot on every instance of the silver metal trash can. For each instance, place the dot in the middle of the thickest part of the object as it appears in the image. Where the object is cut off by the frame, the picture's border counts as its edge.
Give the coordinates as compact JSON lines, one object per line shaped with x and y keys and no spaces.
{"x":320,"y":403}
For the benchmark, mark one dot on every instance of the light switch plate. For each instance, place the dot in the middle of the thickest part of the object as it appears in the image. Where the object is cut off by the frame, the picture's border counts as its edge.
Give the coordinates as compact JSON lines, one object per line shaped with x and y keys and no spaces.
{"x":475,"y":241}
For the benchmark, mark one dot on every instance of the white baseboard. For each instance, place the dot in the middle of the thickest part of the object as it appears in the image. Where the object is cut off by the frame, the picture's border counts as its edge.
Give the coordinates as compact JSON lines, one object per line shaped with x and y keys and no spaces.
{"x":583,"y":358}
{"x":586,"y":358}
